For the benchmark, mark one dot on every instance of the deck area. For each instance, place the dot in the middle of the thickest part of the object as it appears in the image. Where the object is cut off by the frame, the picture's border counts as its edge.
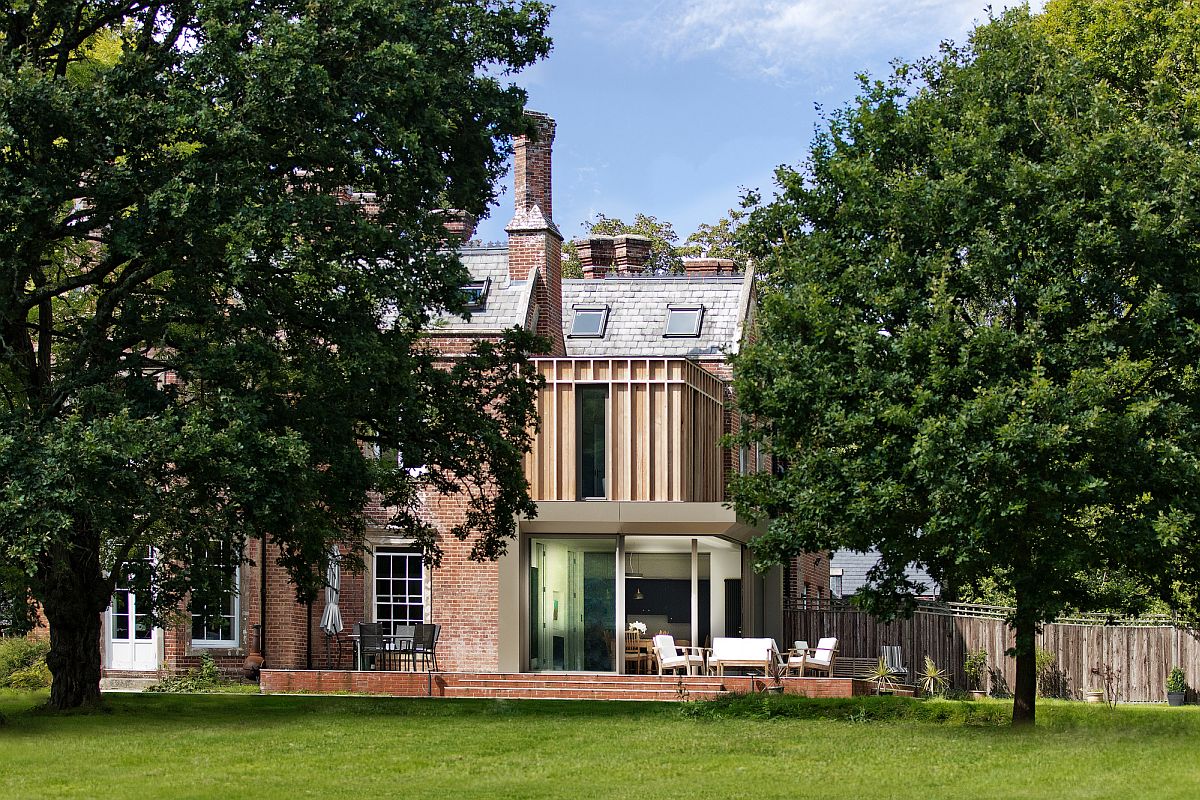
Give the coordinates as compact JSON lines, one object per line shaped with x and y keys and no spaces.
{"x":560,"y":685}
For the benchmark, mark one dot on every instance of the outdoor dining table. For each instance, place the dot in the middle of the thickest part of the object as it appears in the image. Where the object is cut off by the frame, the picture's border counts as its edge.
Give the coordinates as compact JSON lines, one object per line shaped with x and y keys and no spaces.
{"x":392,"y":642}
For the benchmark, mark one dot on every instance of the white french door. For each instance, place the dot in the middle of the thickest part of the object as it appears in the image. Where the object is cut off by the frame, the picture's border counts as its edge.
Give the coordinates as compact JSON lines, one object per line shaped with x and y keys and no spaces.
{"x":132,"y":640}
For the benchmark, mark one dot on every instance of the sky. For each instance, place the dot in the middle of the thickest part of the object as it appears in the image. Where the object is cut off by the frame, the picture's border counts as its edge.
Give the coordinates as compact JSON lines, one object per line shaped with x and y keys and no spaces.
{"x":671,"y":108}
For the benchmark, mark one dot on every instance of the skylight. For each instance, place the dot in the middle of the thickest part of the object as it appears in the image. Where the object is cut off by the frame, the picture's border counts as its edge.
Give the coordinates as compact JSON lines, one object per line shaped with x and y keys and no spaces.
{"x":476,"y":293}
{"x":589,"y":321}
{"x":684,"y":321}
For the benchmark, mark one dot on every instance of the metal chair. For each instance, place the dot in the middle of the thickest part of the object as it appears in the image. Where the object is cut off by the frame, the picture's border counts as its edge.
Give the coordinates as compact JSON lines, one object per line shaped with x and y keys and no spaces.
{"x":425,"y":645}
{"x":372,"y":650}
{"x":403,"y":638}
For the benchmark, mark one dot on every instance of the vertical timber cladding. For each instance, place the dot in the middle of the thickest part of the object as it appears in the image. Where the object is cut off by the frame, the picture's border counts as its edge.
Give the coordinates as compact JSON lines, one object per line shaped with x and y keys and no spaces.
{"x":665,"y":424}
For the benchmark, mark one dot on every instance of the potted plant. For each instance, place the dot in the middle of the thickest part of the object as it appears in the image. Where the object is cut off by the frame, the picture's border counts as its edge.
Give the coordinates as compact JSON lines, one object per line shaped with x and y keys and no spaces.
{"x":932,"y":680}
{"x":1094,"y":695}
{"x":975,"y":670}
{"x":1176,"y":687}
{"x":883,"y":678}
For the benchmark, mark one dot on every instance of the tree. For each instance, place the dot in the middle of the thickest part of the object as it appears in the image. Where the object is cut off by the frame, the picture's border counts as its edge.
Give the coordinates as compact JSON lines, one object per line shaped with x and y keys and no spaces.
{"x":664,"y":256}
{"x":204,"y":332}
{"x":980,"y":324}
{"x":718,"y":240}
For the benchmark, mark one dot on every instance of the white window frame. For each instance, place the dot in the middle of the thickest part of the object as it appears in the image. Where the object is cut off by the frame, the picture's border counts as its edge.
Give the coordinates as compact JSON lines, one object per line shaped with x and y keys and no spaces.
{"x":688,"y":308}
{"x":235,"y":628}
{"x":399,"y":549}
{"x":602,"y":310}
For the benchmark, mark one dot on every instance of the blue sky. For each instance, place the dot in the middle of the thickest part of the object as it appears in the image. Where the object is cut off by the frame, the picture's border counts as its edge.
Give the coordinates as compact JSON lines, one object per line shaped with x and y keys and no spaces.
{"x":668,"y":108}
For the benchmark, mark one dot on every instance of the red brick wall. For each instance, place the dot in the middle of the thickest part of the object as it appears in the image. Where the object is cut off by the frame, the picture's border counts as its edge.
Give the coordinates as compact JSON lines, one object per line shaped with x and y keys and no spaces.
{"x":532,"y":163}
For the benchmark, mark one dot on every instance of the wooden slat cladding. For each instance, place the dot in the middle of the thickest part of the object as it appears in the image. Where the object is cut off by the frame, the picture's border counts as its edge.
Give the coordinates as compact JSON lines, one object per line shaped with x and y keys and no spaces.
{"x":665,"y":418}
{"x":1144,"y":655}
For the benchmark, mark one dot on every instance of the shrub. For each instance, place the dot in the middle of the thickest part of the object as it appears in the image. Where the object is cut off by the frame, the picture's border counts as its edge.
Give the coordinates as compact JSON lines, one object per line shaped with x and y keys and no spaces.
{"x":933,"y":681}
{"x":23,"y":663}
{"x":850,"y":709}
{"x":1176,"y":681}
{"x":975,"y":667}
{"x":204,"y":679}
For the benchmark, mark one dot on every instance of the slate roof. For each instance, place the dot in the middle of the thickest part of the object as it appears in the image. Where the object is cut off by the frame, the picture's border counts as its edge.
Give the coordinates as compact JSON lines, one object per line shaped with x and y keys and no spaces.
{"x":855,"y":565}
{"x":507,"y":302}
{"x":637,"y":314}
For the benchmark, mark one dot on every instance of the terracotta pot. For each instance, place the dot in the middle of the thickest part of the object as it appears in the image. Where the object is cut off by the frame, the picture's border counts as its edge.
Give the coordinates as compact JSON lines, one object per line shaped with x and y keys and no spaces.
{"x":1094,"y":697}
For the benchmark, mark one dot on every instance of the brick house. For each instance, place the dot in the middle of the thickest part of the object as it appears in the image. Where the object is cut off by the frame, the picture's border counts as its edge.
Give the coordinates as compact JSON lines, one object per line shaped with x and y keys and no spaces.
{"x":627,"y":470}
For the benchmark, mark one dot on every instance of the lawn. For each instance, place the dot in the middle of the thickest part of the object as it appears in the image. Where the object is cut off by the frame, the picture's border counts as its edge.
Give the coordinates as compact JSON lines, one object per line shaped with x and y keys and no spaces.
{"x":293,"y":747}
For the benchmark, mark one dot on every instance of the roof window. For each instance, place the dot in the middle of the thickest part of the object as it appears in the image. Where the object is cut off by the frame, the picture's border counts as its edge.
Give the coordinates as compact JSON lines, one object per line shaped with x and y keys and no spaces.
{"x":684,"y":321}
{"x":589,"y":322}
{"x":475,"y":294}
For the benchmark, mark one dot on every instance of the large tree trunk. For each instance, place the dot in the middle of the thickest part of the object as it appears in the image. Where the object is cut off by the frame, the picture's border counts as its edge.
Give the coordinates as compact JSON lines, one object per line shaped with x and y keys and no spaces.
{"x":74,"y":593}
{"x":74,"y":658}
{"x":1025,"y":692}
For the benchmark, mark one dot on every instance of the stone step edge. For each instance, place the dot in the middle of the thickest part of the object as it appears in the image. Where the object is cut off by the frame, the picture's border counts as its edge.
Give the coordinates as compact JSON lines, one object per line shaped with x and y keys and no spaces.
{"x":457,"y":687}
{"x":614,"y":685}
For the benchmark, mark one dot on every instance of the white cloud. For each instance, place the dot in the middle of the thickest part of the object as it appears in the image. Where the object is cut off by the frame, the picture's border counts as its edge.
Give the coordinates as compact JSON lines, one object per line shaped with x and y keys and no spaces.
{"x":777,"y":37}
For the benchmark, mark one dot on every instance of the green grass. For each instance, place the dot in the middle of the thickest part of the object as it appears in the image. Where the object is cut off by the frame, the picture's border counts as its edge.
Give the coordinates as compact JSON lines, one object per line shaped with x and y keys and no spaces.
{"x":329,"y":747}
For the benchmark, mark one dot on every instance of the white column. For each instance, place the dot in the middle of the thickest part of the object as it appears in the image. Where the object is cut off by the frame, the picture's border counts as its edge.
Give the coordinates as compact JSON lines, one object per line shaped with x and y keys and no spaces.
{"x":695,"y":592}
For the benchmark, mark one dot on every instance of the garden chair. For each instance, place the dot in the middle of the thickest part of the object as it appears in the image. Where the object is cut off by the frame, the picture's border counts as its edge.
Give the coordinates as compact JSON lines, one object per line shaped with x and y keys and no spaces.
{"x":424,"y":645}
{"x":670,"y":656}
{"x":796,"y":657}
{"x":894,"y":661}
{"x":403,"y":638}
{"x":372,"y":649}
{"x":820,"y":658}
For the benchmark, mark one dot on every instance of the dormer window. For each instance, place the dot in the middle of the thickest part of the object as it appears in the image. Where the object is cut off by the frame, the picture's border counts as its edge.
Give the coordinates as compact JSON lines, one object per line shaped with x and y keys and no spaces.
{"x":589,"y":322}
{"x":475,"y":294}
{"x":684,"y":321}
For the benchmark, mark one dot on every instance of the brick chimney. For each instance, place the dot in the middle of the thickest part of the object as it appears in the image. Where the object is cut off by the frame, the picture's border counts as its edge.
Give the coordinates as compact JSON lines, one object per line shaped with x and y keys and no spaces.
{"x":707,"y":267}
{"x":631,"y":253}
{"x":534,"y":242}
{"x":459,"y":226}
{"x":596,"y":255}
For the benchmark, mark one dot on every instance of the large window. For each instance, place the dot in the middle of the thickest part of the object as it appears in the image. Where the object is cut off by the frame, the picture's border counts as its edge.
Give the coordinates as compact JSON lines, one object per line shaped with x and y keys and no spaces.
{"x":399,"y":587}
{"x":215,"y":604}
{"x":572,"y":604}
{"x":593,"y":435}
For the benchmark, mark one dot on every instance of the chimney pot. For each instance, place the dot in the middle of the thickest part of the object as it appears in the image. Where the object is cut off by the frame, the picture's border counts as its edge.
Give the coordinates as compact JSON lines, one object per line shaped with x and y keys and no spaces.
{"x":596,"y":255}
{"x":631,"y":253}
{"x":704,"y":267}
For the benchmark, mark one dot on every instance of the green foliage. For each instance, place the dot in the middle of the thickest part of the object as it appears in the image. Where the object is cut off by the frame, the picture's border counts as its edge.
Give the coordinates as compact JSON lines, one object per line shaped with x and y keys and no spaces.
{"x":975,"y":668}
{"x":718,"y":240}
{"x":932,"y":680}
{"x":205,"y":678}
{"x":664,"y":255}
{"x":979,"y":330}
{"x":857,"y":709}
{"x":23,"y":663}
{"x":882,"y":676}
{"x":205,"y":332}
{"x":1176,"y":681}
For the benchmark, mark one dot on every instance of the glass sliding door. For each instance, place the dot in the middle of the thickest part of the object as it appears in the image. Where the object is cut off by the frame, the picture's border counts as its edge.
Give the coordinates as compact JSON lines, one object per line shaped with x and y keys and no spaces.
{"x":658,"y":588}
{"x":572,"y":604}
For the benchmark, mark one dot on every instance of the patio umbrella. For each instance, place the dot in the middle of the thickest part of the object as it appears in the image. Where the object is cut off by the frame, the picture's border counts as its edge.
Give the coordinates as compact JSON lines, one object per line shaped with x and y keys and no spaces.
{"x":331,"y":620}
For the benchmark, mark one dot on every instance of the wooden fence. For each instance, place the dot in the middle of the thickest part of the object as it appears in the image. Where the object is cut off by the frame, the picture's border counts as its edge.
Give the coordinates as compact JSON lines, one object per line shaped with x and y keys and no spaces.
{"x":1140,"y":653}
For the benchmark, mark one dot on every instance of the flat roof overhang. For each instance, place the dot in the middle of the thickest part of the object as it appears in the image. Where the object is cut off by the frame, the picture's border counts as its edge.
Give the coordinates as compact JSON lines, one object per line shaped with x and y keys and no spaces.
{"x":646,"y":518}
